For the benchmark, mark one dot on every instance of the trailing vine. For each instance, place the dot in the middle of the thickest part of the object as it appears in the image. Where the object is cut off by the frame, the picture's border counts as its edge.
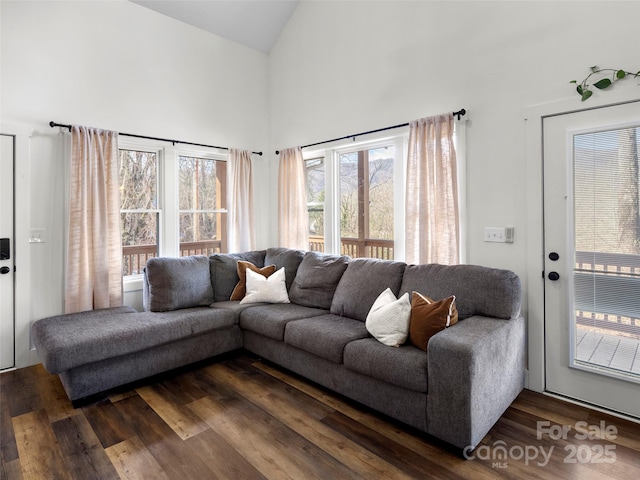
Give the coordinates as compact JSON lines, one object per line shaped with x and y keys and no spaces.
{"x":610,"y":76}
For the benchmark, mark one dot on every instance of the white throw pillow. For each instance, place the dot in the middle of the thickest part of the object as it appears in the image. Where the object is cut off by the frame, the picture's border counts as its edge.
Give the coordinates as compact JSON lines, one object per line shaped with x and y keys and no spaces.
{"x":268,"y":290}
{"x":388,"y":319}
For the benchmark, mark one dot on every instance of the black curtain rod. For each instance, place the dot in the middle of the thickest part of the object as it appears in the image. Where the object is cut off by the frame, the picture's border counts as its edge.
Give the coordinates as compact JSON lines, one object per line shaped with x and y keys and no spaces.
{"x":458,"y":114}
{"x":54,"y":124}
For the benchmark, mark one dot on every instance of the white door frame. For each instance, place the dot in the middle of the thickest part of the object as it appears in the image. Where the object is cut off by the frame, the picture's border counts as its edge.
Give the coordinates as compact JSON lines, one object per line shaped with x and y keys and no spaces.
{"x":533,"y":116}
{"x":24,"y":355}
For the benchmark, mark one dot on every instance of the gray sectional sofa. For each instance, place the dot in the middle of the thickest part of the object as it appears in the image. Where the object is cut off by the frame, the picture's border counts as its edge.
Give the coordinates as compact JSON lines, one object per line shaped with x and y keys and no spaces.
{"x":455,"y":391}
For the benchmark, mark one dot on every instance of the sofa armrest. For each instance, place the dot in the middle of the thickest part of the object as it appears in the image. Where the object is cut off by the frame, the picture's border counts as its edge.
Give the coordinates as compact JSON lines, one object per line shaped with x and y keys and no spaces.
{"x":475,"y":370}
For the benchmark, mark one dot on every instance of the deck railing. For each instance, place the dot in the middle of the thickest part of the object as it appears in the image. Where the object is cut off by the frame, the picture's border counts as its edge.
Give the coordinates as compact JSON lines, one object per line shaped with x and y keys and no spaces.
{"x":356,"y":248}
{"x":616,"y":278}
{"x":134,"y":257}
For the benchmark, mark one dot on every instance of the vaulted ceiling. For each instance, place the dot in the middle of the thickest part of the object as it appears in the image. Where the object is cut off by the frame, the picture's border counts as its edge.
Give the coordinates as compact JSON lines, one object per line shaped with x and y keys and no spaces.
{"x":253,"y":23}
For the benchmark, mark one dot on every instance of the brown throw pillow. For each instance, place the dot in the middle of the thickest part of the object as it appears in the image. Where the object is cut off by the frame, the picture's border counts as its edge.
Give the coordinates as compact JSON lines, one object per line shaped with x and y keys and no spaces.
{"x":241,"y":287}
{"x":429,"y":317}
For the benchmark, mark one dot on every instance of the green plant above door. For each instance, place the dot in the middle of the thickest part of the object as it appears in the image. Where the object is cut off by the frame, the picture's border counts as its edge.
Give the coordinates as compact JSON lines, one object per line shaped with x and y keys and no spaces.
{"x":609,"y":76}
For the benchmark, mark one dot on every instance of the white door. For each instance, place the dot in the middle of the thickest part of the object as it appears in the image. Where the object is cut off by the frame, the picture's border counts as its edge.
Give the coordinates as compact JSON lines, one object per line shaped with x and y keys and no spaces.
{"x":7,"y":326}
{"x":592,"y":256}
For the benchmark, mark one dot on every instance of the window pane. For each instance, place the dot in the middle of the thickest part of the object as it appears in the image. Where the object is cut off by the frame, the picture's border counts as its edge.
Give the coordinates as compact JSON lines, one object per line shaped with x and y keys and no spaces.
{"x":366,"y":203}
{"x":381,"y":193}
{"x":199,"y":184}
{"x":202,"y":203}
{"x":138,"y":191}
{"x":138,"y":180}
{"x":139,"y":240}
{"x":201,"y":226}
{"x":315,"y":203}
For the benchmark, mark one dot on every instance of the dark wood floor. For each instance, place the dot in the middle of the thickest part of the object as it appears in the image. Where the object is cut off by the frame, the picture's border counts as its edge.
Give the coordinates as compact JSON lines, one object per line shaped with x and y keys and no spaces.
{"x":240,"y":418}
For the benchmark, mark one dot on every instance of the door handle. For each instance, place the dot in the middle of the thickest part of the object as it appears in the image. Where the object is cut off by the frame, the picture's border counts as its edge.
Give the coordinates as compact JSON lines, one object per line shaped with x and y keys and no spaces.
{"x":553,"y":276}
{"x":4,"y":270}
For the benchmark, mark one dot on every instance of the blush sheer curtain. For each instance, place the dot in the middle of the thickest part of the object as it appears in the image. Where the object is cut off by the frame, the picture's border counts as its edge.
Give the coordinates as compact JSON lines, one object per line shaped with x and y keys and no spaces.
{"x":241,"y":231}
{"x":432,"y":211}
{"x":292,"y":200}
{"x":94,"y":246}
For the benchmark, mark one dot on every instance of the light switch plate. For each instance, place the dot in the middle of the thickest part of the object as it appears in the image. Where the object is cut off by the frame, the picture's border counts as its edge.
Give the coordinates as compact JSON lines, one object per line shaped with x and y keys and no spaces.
{"x":37,"y":235}
{"x":498,"y":234}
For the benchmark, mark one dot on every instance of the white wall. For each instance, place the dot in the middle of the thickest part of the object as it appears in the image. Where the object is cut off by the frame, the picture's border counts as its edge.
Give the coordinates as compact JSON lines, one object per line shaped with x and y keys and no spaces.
{"x":113,"y":65}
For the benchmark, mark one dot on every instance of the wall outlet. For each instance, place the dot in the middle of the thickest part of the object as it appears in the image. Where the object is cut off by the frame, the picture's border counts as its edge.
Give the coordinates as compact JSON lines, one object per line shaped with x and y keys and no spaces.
{"x":498,"y":234}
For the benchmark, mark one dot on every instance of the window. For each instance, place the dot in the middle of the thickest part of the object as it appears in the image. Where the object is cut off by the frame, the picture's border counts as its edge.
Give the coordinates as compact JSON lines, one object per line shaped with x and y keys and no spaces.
{"x":315,"y":202}
{"x":367,"y":202}
{"x":203,"y":209}
{"x":139,"y":211}
{"x":356,"y":196}
{"x":172,"y":203}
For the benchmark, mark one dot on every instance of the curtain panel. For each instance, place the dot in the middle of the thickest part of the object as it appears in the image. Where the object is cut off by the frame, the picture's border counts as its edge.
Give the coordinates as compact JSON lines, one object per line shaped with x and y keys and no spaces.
{"x":94,"y":246}
{"x":241,"y":231}
{"x":432,"y":214}
{"x":292,"y":200}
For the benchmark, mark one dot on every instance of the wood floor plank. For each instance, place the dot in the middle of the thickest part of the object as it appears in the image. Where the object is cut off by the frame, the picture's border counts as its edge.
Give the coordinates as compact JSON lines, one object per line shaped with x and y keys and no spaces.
{"x":22,"y":387}
{"x":399,"y":434}
{"x":8,"y":447}
{"x":171,"y":453}
{"x":401,"y":457}
{"x":54,"y":398}
{"x":272,"y":448}
{"x":295,"y":416}
{"x":83,"y":452}
{"x":133,"y":461}
{"x":11,"y":470}
{"x":40,"y":454}
{"x":107,"y":423}
{"x":223,"y":460}
{"x":180,"y":419}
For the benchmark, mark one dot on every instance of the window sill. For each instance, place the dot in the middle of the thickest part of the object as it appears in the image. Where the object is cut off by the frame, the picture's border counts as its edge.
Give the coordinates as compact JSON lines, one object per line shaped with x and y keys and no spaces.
{"x":132,"y":283}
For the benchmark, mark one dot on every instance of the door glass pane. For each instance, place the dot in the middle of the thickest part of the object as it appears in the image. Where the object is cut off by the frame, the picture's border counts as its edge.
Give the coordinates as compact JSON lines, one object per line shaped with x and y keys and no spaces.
{"x":607,"y":251}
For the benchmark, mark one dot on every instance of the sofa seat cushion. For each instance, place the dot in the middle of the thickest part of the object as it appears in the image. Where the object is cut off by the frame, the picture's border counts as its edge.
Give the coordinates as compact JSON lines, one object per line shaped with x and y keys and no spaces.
{"x":324,"y":336}
{"x":236,"y":307}
{"x":362,"y":282}
{"x":270,"y":320}
{"x":67,"y":341}
{"x":404,"y":366}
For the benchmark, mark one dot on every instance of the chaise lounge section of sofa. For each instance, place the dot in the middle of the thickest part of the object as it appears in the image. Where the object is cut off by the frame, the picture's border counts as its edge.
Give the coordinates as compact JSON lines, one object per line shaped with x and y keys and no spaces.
{"x":455,"y":391}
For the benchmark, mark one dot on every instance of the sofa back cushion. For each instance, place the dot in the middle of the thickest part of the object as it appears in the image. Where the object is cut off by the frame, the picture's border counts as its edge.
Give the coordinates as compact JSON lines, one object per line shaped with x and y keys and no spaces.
{"x":175,"y":283}
{"x":286,"y":258}
{"x":316,"y":279}
{"x":363,"y":281}
{"x":224,"y":271}
{"x":478,"y":290}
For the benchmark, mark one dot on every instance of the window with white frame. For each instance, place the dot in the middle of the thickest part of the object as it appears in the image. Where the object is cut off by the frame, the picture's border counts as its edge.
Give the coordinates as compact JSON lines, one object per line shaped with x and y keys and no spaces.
{"x":172,"y":203}
{"x":355,"y":199}
{"x":139,"y":210}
